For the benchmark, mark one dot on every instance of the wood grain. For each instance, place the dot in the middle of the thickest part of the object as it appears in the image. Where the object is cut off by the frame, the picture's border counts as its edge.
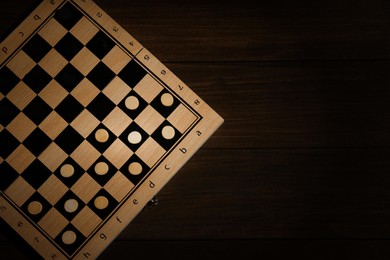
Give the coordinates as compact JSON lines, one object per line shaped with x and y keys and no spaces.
{"x":300,"y":167}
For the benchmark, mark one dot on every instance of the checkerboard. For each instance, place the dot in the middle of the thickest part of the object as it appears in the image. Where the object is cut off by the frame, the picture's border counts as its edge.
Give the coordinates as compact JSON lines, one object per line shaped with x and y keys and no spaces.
{"x":92,"y":127}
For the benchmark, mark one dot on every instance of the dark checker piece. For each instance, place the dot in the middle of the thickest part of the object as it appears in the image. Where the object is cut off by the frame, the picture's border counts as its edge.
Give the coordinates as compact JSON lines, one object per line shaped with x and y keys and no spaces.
{"x":68,"y":16}
{"x":69,"y":140}
{"x":37,"y":110}
{"x":69,"y":77}
{"x":8,"y":143}
{"x":8,"y":80}
{"x":132,"y":73}
{"x":68,"y":46}
{"x":37,"y":48}
{"x":100,"y":45}
{"x":37,"y":142}
{"x":36,"y":174}
{"x":101,"y":75}
{"x":8,"y":112}
{"x":7,"y":175}
{"x":37,"y":79}
{"x":69,"y":108}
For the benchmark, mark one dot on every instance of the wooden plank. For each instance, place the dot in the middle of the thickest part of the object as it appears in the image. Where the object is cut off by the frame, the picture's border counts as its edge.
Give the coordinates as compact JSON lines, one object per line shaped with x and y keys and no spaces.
{"x":279,"y":193}
{"x":270,"y":249}
{"x":295,"y":104}
{"x":245,"y":31}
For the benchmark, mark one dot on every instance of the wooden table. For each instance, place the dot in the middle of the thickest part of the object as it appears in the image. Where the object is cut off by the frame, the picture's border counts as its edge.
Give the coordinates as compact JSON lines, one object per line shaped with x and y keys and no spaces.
{"x":301,"y":165}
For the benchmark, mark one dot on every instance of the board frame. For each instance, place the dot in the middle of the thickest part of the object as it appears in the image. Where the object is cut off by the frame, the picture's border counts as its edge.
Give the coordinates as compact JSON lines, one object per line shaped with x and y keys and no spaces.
{"x":208,"y":123}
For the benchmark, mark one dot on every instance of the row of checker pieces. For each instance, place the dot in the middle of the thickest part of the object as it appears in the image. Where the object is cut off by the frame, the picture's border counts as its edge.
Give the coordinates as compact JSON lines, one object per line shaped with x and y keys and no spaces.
{"x":58,"y":109}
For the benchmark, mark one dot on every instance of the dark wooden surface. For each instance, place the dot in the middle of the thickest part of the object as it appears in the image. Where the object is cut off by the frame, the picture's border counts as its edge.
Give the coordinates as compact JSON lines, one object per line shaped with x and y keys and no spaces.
{"x":301,"y":167}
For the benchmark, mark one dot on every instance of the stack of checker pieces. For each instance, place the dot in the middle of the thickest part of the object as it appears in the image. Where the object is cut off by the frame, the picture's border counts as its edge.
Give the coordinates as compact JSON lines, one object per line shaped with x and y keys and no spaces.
{"x":87,"y":131}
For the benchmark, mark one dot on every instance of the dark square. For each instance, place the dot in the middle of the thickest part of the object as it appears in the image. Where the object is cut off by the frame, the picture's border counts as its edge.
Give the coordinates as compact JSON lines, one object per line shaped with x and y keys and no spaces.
{"x":135,"y":179}
{"x":69,"y":140}
{"x":132,"y":73}
{"x":100,"y":76}
{"x":37,"y":48}
{"x":68,"y":16}
{"x":8,"y":112}
{"x":37,"y":142}
{"x":100,"y":45}
{"x":69,"y":77}
{"x":101,"y":106}
{"x":70,"y":180}
{"x":8,"y":80}
{"x":36,"y":197}
{"x":7,"y":176}
{"x":165,"y":143}
{"x":37,"y":110}
{"x":36,"y":174}
{"x":101,"y":147}
{"x":69,"y":108}
{"x":37,"y":79}
{"x":69,"y":46}
{"x":60,"y":205}
{"x":103,"y":213}
{"x":70,"y":249}
{"x":102,"y":178}
{"x":133,"y":113}
{"x":8,"y":143}
{"x":133,"y":127}
{"x":165,"y":111}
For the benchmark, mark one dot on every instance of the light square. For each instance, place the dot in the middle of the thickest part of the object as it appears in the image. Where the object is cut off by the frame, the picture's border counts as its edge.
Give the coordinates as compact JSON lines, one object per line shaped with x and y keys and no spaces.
{"x":85,"y":123}
{"x":117,"y":121}
{"x":53,"y":189}
{"x":53,"y":32}
{"x":85,"y":155}
{"x":85,"y":61}
{"x":116,"y":59}
{"x":116,"y":90}
{"x":21,"y":95}
{"x":119,"y":186}
{"x":19,"y":191}
{"x":148,"y":88}
{"x":52,"y":157}
{"x":86,"y":221}
{"x":21,"y":127}
{"x":21,"y":64}
{"x":145,"y":154}
{"x":53,"y":125}
{"x":53,"y":63}
{"x":85,"y":92}
{"x":53,"y":94}
{"x":149,"y":119}
{"x":53,"y":223}
{"x":86,"y":188}
{"x":118,"y":153}
{"x":181,"y":118}
{"x":84,"y":30}
{"x":20,"y":159}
